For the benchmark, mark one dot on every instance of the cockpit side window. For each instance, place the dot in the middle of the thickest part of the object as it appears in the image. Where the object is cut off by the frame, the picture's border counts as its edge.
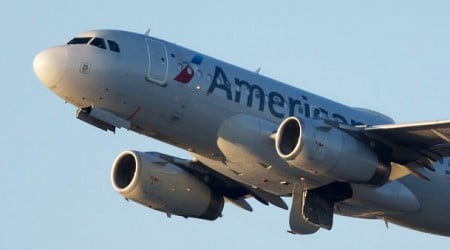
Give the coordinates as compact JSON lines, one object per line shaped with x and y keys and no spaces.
{"x":113,"y":46}
{"x":98,"y":42}
{"x":79,"y":40}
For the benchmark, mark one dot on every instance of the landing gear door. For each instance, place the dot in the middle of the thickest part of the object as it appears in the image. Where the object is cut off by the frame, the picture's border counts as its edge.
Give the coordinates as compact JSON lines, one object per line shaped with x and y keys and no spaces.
{"x":157,"y":62}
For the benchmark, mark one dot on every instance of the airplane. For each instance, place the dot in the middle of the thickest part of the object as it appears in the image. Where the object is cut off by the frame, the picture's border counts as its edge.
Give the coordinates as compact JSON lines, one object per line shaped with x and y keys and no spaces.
{"x":250,"y":136}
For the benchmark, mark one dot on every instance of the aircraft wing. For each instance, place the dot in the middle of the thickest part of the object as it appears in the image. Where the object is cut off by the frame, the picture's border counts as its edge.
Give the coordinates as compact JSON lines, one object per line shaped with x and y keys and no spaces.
{"x":413,"y":144}
{"x":232,"y":190}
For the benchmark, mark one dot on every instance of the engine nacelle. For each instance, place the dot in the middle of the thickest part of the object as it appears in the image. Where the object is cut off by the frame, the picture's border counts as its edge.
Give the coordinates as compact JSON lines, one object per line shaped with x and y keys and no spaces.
{"x":155,"y":182}
{"x":325,"y":150}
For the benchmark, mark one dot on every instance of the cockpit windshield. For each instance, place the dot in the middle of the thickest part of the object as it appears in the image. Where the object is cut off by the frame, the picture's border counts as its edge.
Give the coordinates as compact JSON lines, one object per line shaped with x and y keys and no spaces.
{"x":97,"y":42}
{"x":80,"y":40}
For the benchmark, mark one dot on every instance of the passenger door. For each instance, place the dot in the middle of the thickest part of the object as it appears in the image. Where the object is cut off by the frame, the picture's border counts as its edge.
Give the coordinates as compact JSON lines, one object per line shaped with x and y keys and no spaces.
{"x":157,"y":61}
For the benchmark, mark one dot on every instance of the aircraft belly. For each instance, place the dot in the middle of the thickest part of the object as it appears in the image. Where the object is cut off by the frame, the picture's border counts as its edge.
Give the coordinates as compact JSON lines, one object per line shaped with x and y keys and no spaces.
{"x":195,"y":121}
{"x":434,"y":206}
{"x":249,"y":156}
{"x":177,"y":118}
{"x":183,"y":124}
{"x":250,"y":175}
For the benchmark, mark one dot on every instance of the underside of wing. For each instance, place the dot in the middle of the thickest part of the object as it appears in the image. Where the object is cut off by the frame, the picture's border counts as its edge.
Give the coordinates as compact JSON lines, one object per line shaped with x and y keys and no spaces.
{"x":228,"y":186}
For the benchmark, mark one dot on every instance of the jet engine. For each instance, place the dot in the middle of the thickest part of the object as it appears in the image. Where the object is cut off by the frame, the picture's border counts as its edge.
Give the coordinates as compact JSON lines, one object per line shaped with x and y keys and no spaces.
{"x":322,"y":149}
{"x":156,"y":182}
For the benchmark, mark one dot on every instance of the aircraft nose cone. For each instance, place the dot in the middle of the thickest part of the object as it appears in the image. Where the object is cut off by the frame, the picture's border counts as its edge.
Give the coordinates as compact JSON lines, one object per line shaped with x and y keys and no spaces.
{"x":49,"y":65}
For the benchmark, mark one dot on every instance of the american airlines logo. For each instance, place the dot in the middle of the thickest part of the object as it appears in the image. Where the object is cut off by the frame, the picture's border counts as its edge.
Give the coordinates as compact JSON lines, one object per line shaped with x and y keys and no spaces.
{"x":255,"y":95}
{"x":278,"y":105}
{"x":187,"y":73}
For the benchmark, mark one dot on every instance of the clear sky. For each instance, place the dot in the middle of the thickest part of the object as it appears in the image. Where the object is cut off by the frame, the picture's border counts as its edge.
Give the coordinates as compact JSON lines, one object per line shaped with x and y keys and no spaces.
{"x":55,"y":193}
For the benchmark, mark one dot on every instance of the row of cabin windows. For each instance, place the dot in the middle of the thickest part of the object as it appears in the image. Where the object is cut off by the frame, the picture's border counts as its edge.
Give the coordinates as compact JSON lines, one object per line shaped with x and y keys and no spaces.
{"x":97,"y":42}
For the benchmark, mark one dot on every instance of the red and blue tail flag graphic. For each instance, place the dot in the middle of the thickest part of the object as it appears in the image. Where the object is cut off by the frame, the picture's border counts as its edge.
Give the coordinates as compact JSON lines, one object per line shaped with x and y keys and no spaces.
{"x":197,"y":59}
{"x":187,"y":73}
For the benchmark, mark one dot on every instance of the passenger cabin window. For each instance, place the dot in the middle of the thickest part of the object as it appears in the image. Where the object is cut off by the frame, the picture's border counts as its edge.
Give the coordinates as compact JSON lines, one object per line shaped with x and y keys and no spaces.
{"x":98,"y":42}
{"x":113,"y":46}
{"x":79,"y":40}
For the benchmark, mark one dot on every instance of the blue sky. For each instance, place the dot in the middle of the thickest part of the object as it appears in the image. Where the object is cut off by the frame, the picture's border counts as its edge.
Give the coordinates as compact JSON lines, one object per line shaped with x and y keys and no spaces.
{"x":390,"y":56}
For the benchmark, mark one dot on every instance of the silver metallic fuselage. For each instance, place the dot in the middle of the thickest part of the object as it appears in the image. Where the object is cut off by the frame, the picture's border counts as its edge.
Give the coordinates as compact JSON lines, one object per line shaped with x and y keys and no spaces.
{"x":189,"y":116}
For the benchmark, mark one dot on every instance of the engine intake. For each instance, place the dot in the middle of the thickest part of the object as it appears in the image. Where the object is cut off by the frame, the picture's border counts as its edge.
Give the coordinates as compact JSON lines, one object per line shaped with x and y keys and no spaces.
{"x":155,"y":182}
{"x":125,"y":171}
{"x":321,"y":149}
